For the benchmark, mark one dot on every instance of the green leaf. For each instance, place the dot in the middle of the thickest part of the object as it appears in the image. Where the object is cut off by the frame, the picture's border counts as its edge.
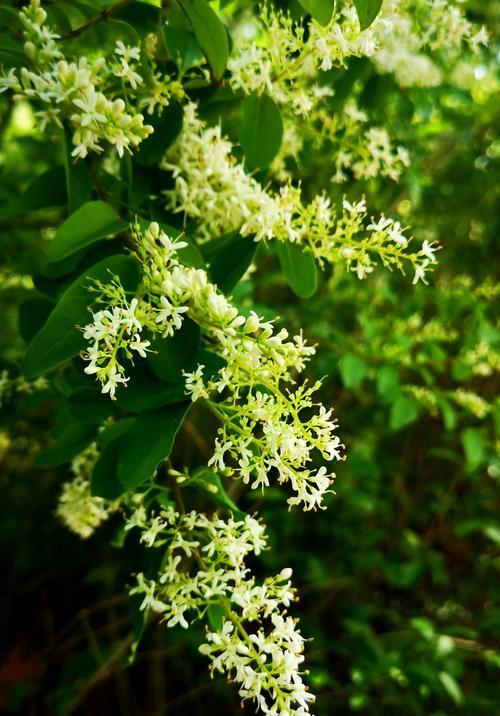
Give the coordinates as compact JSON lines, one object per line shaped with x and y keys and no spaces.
{"x":452,"y":687}
{"x":228,"y":258}
{"x":114,"y":431}
{"x":210,"y":33}
{"x":387,"y":382}
{"x":145,"y":391}
{"x":59,"y":338}
{"x":404,"y":411}
{"x":148,"y":442}
{"x":320,"y":10}
{"x":216,"y":615}
{"x":299,"y":268}
{"x":448,"y":412}
{"x":209,"y":482}
{"x":45,"y":191}
{"x":166,"y":129}
{"x":90,"y":223}
{"x":78,"y":182}
{"x":72,"y":441}
{"x":89,"y":406}
{"x":182,"y":46}
{"x":104,"y":481}
{"x":473,"y":443}
{"x":139,"y":620}
{"x":173,"y":355}
{"x":261,"y":130}
{"x":352,"y":370}
{"x":367,"y":11}
{"x":33,"y":312}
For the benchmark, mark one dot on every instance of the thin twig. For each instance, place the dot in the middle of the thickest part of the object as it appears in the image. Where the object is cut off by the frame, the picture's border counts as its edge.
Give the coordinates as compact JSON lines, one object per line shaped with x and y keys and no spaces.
{"x":103,"y":15}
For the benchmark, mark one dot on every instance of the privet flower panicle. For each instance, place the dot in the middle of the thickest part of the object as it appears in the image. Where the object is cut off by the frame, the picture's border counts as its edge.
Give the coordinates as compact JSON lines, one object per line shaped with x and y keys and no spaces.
{"x":80,"y":511}
{"x":284,"y":59}
{"x":267,"y":424}
{"x":418,"y":41}
{"x":84,"y":93}
{"x":258,"y":645}
{"x":213,"y":188}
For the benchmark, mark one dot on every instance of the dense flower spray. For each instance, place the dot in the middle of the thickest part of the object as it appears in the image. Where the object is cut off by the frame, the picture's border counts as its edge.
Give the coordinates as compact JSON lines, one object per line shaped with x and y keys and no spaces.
{"x":263,"y":416}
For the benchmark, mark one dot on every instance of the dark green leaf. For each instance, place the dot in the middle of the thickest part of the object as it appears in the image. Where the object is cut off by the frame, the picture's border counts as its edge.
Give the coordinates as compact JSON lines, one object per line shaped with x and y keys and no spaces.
{"x":210,"y":33}
{"x":261,"y":130}
{"x":148,"y":442}
{"x":229,"y":258}
{"x":45,"y":191}
{"x":299,"y":268}
{"x":367,"y":11}
{"x":78,"y":182}
{"x":91,"y":222}
{"x":104,"y":481}
{"x":33,"y":312}
{"x":145,"y":391}
{"x":209,"y":482}
{"x":166,"y":129}
{"x":175,"y":354}
{"x":113,"y":431}
{"x":59,"y":338}
{"x":72,"y":441}
{"x":89,"y":405}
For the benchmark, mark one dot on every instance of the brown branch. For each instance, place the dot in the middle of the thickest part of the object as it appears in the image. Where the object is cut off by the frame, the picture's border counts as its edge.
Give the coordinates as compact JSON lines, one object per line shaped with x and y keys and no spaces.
{"x":103,"y":15}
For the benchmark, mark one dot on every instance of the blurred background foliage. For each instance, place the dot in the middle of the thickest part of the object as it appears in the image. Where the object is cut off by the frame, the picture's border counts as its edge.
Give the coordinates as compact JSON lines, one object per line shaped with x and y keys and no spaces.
{"x":400,"y":578}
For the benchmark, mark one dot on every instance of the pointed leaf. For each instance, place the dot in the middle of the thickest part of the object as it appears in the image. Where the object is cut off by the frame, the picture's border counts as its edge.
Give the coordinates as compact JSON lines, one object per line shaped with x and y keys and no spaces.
{"x":59,"y":338}
{"x":148,"y":442}
{"x":210,"y":33}
{"x":90,"y":223}
{"x":367,"y":11}
{"x":261,"y":130}
{"x":299,"y":268}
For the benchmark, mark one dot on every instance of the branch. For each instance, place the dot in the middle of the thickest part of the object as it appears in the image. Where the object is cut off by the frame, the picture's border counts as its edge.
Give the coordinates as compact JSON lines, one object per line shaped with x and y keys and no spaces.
{"x":103,"y":15}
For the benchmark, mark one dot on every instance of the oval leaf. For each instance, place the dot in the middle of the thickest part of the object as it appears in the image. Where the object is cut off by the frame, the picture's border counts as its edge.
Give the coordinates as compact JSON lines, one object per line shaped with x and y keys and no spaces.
{"x":210,"y":33}
{"x":173,"y":355}
{"x":72,"y":441}
{"x":104,"y":482}
{"x":299,"y":268}
{"x":47,"y":190}
{"x":59,"y":338}
{"x":148,"y":441}
{"x":90,"y":223}
{"x":229,"y":258}
{"x":261,"y":130}
{"x":367,"y":11}
{"x":320,"y":10}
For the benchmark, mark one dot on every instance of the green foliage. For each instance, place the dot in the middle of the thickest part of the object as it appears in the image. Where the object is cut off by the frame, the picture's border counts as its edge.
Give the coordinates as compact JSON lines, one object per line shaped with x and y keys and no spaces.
{"x":58,"y":340}
{"x":367,"y":11}
{"x":299,"y":268}
{"x":397,"y":577}
{"x":261,"y":130}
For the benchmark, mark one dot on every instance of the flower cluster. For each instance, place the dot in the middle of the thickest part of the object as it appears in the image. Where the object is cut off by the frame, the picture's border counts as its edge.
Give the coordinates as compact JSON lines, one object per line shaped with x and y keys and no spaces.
{"x":413,"y":39}
{"x":80,"y":511}
{"x":204,"y":568}
{"x":84,"y":93}
{"x":267,"y":426}
{"x":211,"y":186}
{"x":284,"y":59}
{"x":356,"y":149}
